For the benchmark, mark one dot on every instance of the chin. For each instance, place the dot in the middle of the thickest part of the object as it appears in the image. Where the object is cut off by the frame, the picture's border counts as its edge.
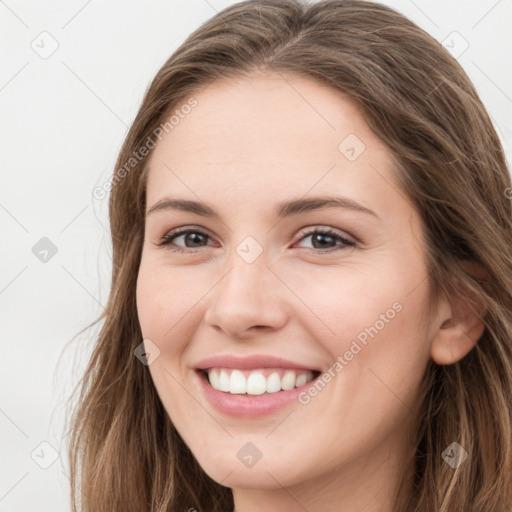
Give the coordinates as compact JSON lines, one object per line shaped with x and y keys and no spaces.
{"x":239,"y":466}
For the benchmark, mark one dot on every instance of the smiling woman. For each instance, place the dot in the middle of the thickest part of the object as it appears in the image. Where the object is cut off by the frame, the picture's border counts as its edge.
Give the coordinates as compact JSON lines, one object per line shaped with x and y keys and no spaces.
{"x":312,"y":279}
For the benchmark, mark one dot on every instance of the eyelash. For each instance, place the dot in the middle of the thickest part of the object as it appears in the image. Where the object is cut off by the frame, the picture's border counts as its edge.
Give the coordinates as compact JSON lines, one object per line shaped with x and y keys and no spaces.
{"x":169,"y":237}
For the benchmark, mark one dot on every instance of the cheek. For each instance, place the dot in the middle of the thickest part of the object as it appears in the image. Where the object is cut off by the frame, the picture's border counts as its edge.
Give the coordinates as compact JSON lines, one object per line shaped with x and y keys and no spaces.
{"x":379,"y":353}
{"x":371,"y":321}
{"x":167,"y":302}
{"x":342,"y":304}
{"x":165,"y":305}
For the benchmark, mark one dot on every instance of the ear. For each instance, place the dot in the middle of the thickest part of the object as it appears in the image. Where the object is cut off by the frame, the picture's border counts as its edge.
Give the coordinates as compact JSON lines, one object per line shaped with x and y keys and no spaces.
{"x":461,"y":324}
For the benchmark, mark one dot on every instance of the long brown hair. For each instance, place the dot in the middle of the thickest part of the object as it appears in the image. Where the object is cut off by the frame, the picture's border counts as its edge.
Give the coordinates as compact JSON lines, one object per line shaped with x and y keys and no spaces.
{"x":125,"y":453}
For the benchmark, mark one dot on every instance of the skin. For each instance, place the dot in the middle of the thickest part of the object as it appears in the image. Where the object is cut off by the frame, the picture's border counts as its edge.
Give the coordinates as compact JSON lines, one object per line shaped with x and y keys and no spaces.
{"x":249,"y":144}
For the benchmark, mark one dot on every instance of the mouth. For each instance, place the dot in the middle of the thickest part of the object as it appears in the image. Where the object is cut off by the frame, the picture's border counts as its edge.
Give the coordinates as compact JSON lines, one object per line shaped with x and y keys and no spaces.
{"x":259,"y":381}
{"x":252,"y":386}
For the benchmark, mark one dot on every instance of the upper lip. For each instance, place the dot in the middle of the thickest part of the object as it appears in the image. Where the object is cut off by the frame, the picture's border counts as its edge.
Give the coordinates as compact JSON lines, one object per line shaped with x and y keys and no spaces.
{"x":252,"y":362}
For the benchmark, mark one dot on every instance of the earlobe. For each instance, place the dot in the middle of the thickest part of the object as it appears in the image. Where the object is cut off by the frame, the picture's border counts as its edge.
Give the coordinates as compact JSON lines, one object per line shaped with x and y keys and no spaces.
{"x":460,"y":329}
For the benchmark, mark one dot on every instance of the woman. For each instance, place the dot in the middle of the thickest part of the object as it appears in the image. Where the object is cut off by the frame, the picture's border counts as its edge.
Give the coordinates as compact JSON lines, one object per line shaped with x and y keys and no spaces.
{"x":312,"y":289}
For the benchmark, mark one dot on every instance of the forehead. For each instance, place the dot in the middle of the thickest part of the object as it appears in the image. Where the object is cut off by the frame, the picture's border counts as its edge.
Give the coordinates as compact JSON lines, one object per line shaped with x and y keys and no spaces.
{"x":278,"y":111}
{"x":264,"y":136}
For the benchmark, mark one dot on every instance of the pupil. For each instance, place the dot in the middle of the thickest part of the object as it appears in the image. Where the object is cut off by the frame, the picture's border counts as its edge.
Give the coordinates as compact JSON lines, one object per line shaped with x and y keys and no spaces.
{"x":195,"y":236}
{"x":322,"y":238}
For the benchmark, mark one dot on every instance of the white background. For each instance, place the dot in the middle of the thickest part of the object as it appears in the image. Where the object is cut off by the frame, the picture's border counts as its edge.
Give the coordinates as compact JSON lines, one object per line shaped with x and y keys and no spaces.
{"x":64,"y":118}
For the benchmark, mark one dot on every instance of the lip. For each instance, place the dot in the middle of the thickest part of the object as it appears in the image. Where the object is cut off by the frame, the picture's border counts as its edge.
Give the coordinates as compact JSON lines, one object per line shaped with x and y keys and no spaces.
{"x":252,"y":362}
{"x":249,"y":406}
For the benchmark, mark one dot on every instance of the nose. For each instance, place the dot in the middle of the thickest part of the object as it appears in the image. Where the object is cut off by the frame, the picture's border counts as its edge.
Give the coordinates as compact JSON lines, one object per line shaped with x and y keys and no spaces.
{"x":248,"y":300}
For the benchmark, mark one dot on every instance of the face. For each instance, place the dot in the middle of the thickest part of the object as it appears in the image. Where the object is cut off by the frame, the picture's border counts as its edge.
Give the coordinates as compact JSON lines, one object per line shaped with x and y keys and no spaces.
{"x":288,"y":303}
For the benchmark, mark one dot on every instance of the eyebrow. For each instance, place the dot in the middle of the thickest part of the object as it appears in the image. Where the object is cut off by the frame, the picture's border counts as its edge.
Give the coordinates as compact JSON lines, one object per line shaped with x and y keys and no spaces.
{"x":283,"y":209}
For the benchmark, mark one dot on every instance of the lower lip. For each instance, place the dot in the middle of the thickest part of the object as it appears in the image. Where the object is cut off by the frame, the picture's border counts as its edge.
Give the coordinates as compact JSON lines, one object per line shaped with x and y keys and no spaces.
{"x":248,"y":406}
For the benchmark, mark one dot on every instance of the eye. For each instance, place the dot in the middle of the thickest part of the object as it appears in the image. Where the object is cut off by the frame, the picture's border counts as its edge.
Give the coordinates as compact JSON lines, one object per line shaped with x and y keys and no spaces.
{"x":198,"y":237}
{"x":194,"y":238}
{"x":325,"y":236}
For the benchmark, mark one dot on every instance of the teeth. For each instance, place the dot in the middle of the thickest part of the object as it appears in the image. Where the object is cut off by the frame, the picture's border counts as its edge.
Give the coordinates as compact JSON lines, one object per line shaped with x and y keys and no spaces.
{"x":273,"y":383}
{"x":288,"y":381}
{"x":237,"y":383}
{"x":257,"y":382}
{"x":223,"y":381}
{"x":301,"y":380}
